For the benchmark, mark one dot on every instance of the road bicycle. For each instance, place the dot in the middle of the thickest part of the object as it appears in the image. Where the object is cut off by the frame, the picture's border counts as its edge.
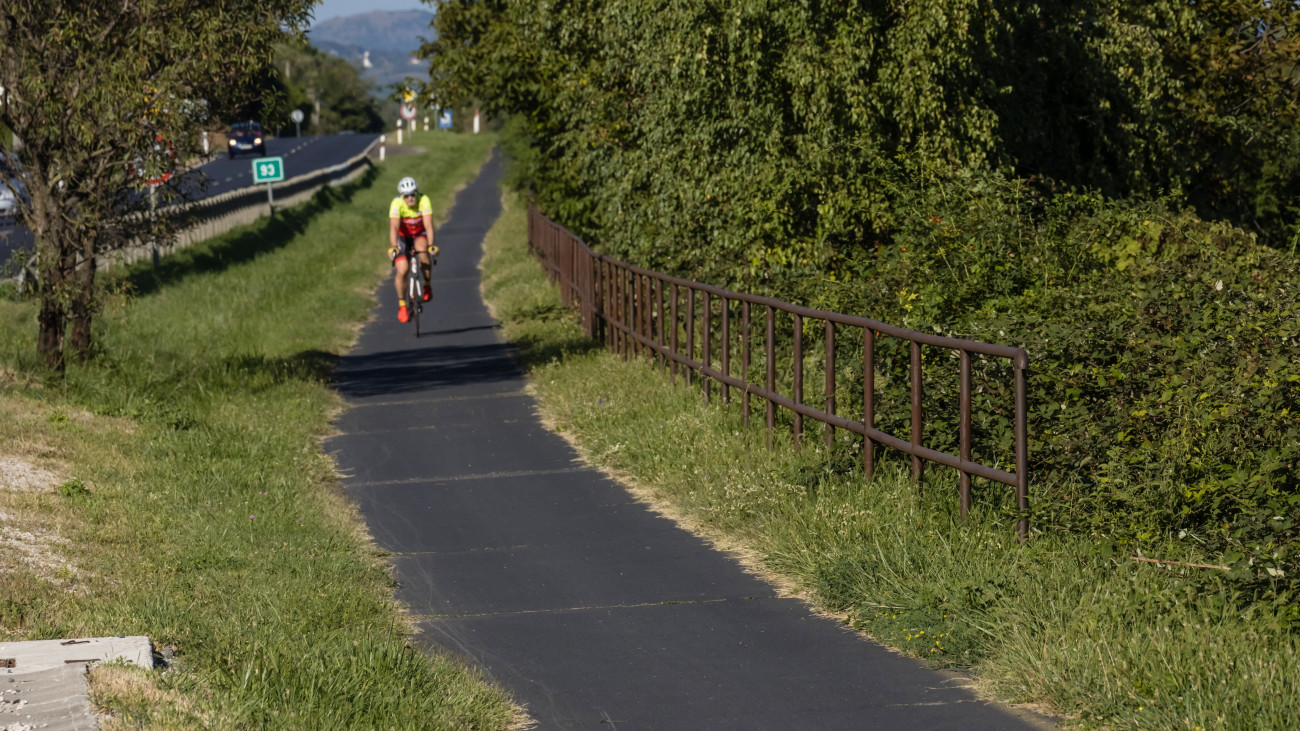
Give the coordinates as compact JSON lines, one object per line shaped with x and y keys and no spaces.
{"x":415,"y":282}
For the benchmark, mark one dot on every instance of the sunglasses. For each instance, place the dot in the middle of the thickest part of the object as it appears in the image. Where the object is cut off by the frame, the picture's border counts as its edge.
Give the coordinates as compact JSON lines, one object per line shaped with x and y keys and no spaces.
{"x":411,"y":195}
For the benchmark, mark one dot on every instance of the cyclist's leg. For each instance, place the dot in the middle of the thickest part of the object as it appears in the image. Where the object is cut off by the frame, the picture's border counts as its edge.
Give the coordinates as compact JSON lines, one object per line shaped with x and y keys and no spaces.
{"x":422,"y":250}
{"x":399,"y":276}
{"x":400,"y":267}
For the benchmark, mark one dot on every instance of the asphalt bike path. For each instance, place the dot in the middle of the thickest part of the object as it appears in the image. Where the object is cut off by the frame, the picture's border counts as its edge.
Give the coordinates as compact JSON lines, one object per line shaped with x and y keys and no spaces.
{"x":593,"y":611}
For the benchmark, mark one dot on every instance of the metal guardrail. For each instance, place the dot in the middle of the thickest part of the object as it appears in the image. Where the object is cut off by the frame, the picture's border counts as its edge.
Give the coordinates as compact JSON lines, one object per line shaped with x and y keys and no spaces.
{"x":214,"y":216}
{"x":625,"y":306}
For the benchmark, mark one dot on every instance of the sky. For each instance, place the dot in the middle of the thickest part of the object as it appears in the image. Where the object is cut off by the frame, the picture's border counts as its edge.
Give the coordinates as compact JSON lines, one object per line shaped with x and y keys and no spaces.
{"x":334,"y":8}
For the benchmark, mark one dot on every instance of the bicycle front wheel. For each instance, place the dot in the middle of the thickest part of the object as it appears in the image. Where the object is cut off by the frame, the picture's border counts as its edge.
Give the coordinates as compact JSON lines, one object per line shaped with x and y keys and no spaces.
{"x":415,"y":292}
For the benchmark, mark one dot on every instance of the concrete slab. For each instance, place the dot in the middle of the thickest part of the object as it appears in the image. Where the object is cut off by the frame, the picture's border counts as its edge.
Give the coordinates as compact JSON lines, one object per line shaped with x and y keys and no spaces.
{"x":38,"y":655}
{"x":56,"y":699}
{"x":46,"y":686}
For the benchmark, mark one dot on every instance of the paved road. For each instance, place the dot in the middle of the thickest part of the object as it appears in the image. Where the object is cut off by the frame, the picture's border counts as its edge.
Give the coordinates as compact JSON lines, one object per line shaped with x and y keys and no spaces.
{"x":301,"y":155}
{"x":221,"y":175}
{"x":594,"y":612}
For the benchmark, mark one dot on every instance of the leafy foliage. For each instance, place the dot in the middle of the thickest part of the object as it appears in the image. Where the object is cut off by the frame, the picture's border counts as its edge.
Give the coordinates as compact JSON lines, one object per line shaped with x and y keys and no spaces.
{"x":346,"y":102}
{"x":1165,"y":377}
{"x":763,"y":118}
{"x":104,"y":93}
{"x":1008,"y":170}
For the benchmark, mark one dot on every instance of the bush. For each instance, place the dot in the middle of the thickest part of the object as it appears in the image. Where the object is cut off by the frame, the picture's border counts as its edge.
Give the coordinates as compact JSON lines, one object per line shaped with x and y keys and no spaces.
{"x":858,"y":157}
{"x":1165,"y":377}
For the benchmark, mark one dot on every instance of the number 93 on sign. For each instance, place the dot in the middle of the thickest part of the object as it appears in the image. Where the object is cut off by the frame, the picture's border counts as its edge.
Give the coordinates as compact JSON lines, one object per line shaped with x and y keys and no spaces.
{"x":268,"y":170}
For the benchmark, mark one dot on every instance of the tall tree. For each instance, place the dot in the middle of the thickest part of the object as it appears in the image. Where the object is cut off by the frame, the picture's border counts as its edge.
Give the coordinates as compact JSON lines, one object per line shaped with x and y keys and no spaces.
{"x":106,"y":95}
{"x":754,"y":124}
{"x":345,"y":96}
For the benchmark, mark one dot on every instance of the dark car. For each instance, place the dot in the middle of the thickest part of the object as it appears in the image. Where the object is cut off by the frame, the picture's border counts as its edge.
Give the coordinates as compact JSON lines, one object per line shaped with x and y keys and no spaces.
{"x":246,"y":137}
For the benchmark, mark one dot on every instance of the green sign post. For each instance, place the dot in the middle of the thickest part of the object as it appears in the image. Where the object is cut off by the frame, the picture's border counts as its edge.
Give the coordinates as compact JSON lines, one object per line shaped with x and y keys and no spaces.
{"x":268,"y":170}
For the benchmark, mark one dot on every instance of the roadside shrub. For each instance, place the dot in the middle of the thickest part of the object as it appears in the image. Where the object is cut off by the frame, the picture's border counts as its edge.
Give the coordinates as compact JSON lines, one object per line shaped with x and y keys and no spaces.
{"x":1165,"y":373}
{"x":933,"y":165}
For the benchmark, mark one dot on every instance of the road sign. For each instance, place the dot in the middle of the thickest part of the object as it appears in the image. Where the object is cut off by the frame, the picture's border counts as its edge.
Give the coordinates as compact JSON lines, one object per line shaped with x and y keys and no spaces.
{"x":408,"y":111}
{"x":268,"y":170}
{"x":444,"y":119}
{"x":296,"y":116}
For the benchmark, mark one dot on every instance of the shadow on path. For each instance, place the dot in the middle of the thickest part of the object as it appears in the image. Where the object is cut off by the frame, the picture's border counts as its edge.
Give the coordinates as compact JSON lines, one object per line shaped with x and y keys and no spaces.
{"x":415,"y":370}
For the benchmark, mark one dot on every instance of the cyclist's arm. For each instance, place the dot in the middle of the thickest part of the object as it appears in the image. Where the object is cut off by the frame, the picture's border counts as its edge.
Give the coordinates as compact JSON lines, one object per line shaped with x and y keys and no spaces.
{"x":394,"y":221}
{"x":428,"y":228}
{"x":426,"y":213}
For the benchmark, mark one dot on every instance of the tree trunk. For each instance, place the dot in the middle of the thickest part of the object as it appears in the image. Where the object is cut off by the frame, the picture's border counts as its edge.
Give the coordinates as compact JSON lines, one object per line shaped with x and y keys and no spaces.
{"x":52,"y":263}
{"x":83,"y":306}
{"x":49,"y":341}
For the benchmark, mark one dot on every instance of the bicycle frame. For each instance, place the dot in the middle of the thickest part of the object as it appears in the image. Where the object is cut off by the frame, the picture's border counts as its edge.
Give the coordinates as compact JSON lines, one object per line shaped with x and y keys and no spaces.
{"x":414,"y":288}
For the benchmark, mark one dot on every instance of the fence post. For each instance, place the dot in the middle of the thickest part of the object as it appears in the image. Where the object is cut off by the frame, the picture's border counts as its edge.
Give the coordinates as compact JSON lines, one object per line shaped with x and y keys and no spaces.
{"x":744,"y":361}
{"x":726,"y":349}
{"x":1022,"y":450}
{"x":672,"y":363}
{"x":623,"y":287}
{"x":830,"y":382}
{"x":611,"y":309}
{"x":690,"y":332}
{"x":648,"y":315}
{"x":916,"y":411}
{"x":963,"y":487}
{"x":629,"y":316}
{"x":869,"y":400}
{"x":659,"y":334}
{"x":769,"y":349}
{"x":798,"y":379}
{"x":706,"y":354}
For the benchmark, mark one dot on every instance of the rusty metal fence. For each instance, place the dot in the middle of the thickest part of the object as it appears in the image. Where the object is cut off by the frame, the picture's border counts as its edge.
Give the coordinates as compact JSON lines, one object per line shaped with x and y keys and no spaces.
{"x":638,"y":312}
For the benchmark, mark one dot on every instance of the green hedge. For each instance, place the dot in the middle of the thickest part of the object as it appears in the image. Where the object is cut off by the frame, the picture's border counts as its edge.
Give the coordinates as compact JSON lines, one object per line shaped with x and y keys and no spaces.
{"x":922,"y":163}
{"x":1165,"y":372}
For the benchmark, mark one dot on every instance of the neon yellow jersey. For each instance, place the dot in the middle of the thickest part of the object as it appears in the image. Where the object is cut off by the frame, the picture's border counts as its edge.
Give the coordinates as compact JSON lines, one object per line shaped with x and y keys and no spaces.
{"x":412,"y":224}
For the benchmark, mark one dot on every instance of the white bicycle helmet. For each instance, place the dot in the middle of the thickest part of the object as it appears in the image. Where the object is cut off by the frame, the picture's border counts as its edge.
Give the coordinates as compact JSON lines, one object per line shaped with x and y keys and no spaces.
{"x":406,"y":186}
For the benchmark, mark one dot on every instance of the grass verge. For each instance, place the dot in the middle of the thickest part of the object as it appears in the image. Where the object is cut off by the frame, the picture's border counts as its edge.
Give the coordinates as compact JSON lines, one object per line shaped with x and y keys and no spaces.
{"x":174,"y":485}
{"x":1103,"y":640}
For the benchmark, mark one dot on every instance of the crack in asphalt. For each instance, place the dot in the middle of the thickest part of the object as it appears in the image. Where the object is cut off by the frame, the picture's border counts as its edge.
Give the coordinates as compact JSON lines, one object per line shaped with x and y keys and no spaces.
{"x":440,"y":399}
{"x":462,"y":478}
{"x":600,"y":607}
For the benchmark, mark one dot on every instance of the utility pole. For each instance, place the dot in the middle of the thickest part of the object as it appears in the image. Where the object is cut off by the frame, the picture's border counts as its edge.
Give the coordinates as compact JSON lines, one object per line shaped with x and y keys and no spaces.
{"x":315,"y":100}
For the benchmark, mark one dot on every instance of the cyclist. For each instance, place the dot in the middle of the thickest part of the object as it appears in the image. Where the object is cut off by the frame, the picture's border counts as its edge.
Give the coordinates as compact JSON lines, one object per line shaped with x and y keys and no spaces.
{"x":410,"y":221}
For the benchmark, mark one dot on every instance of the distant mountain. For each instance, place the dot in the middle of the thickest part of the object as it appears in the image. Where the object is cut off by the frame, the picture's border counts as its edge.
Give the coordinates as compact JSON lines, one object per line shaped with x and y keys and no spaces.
{"x":379,"y":43}
{"x":388,"y":31}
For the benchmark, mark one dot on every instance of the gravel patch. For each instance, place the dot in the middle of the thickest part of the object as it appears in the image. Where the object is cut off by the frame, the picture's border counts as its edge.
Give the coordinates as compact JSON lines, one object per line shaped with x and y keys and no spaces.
{"x":19,"y":475}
